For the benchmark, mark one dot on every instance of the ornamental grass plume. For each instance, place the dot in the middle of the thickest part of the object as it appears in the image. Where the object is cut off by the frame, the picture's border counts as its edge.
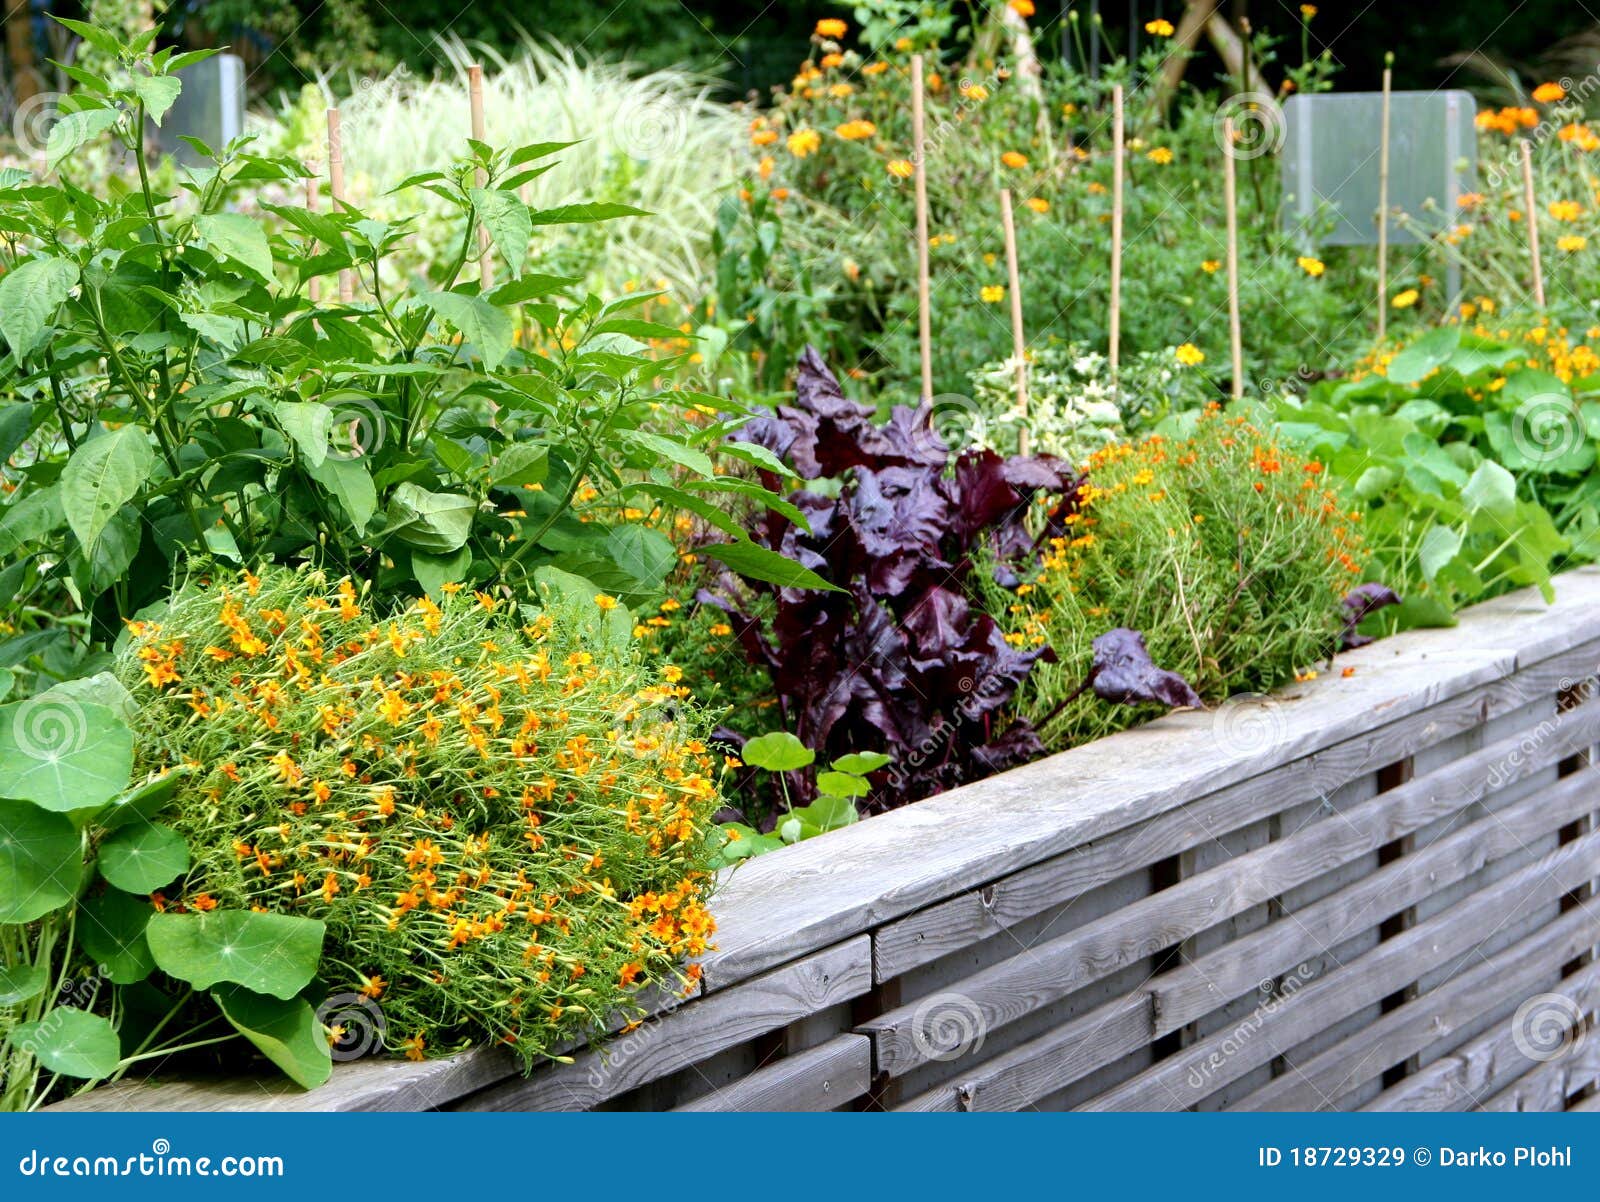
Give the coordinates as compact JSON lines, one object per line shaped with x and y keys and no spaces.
{"x":500,"y":815}
{"x":1230,"y":554}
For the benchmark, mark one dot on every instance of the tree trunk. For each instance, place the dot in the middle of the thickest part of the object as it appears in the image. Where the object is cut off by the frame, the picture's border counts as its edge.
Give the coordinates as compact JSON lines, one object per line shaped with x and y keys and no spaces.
{"x":1184,"y":40}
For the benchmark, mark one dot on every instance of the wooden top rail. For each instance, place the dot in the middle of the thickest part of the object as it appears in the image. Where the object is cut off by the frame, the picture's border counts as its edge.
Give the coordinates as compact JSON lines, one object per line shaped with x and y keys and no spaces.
{"x":798,"y":915}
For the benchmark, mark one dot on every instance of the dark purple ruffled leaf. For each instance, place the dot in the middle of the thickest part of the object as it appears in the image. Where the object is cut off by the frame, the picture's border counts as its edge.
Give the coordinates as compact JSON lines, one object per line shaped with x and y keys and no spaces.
{"x":1358,"y":603}
{"x":1124,"y":673}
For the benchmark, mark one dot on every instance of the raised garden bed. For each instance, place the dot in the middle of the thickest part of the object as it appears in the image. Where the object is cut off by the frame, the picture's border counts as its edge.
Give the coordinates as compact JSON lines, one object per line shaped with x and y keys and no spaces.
{"x":1366,"y":891}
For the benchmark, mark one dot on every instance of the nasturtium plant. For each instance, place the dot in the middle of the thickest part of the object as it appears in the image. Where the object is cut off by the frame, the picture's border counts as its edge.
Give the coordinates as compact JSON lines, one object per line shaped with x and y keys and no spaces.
{"x":837,"y":791}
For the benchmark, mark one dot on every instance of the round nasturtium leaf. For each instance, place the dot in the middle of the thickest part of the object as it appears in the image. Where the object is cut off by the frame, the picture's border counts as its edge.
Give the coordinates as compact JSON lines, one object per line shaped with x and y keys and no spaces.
{"x":111,"y":928}
{"x":286,"y":1032}
{"x":41,"y":861}
{"x":19,"y":982}
{"x":72,"y":1042}
{"x":779,"y":751}
{"x":62,"y":753}
{"x":141,"y":859}
{"x":275,"y":954}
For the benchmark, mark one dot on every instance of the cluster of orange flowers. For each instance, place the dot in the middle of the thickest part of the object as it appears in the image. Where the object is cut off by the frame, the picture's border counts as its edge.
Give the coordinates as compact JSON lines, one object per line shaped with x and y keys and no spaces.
{"x":503,"y":826}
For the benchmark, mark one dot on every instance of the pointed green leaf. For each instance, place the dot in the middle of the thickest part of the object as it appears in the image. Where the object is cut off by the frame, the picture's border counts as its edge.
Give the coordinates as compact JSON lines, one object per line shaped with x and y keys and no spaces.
{"x":438,"y":522}
{"x":506,"y":218}
{"x":156,"y":93}
{"x":29,"y":298}
{"x":111,"y":928}
{"x":309,"y":423}
{"x":476,"y":320}
{"x":102,"y":476}
{"x":239,"y":238}
{"x":268,"y":953}
{"x":758,"y":563}
{"x":75,"y":131}
{"x":350,"y":482}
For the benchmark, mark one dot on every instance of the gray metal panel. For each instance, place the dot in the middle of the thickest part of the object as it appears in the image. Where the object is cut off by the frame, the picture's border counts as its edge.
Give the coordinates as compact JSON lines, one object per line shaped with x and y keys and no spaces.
{"x":1330,"y":162}
{"x":210,"y":107}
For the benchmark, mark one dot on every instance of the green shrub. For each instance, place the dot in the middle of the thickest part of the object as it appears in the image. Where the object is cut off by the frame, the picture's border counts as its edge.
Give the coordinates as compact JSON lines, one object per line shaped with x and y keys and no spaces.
{"x":1225,"y":551}
{"x":501,"y":818}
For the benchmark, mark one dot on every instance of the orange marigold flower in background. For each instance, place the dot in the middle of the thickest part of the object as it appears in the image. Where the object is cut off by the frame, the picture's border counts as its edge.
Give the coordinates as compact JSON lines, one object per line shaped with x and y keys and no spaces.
{"x":1565,"y":210}
{"x":992,"y":294}
{"x":1210,"y":266}
{"x":1038,"y":204}
{"x":1159,"y":154}
{"x":1571,"y":243}
{"x":1014,"y":158}
{"x":764,"y":137}
{"x":1308,"y":11}
{"x":831,"y":59}
{"x":831,"y":27}
{"x":1023,"y":8}
{"x":802,"y":142}
{"x":972,"y":91}
{"x":1405,"y":299}
{"x":1159,"y":28}
{"x":1189,"y":355}
{"x":877,"y":68}
{"x":856,"y":131}
{"x":605,"y":601}
{"x":1312,"y":267}
{"x":900,"y":168}
{"x":1549,"y":93}
{"x":414,"y":1047}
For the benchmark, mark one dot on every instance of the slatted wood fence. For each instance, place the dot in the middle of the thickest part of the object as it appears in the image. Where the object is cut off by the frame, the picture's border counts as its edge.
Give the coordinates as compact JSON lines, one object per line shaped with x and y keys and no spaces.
{"x":1369,"y":891}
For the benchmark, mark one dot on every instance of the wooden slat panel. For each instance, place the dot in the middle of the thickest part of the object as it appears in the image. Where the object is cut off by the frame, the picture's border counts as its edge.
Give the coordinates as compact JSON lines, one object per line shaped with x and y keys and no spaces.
{"x":692,"y":1033}
{"x":1191,"y":1074}
{"x":1318,"y":1082}
{"x":1546,"y":1087}
{"x":1466,"y":1076}
{"x":823,"y":1078}
{"x":1051,"y":970}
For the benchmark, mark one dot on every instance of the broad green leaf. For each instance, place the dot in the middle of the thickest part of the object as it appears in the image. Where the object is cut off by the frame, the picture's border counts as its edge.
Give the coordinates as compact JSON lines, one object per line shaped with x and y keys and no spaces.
{"x":778,"y":751}
{"x":438,"y":522}
{"x":671,"y":449}
{"x":826,"y":814}
{"x":309,"y":423}
{"x":532,"y":285}
{"x":36,"y":515}
{"x":156,"y":93}
{"x":475,"y":319}
{"x":758,"y":563}
{"x":433,"y":572}
{"x":268,"y":953}
{"x":19,"y":982}
{"x":102,"y":476}
{"x":571,"y":600}
{"x":1439,"y":546}
{"x":111,"y":928}
{"x":41,"y":861}
{"x":350,"y":482}
{"x":758,"y":455}
{"x":141,"y":859}
{"x":842,"y":784}
{"x":1491,"y":490}
{"x":860,"y":763}
{"x":29,"y":298}
{"x":76,"y":130}
{"x":285,"y":1031}
{"x":63,"y":754}
{"x":506,"y":218}
{"x":238,"y":238}
{"x":72,"y":1042}
{"x":521,"y":463}
{"x":644,"y":554}
{"x":740,"y":842}
{"x":1430,"y":351}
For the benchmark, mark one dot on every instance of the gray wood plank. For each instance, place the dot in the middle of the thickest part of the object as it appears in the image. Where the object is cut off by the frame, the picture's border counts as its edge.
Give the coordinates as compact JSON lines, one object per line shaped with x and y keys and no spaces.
{"x":1320,"y":1081}
{"x":1048,"y":971}
{"x":692,"y":1033}
{"x":1182,"y":1079}
{"x":822,"y":1078}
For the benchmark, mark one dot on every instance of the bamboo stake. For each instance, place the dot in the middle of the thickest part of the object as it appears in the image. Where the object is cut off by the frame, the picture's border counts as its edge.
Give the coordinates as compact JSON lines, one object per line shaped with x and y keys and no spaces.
{"x":1019,"y":346}
{"x":1116,"y":231}
{"x":347,"y":279}
{"x":1533,"y":222}
{"x":919,"y":163}
{"x":1231,"y":201}
{"x":475,"y":92}
{"x":314,"y":287}
{"x":1383,"y":209}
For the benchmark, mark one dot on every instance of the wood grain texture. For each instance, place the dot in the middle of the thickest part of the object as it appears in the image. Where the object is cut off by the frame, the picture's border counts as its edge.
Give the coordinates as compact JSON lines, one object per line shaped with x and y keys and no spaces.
{"x":1050,"y":970}
{"x":822,"y":1078}
{"x":692,"y":1033}
{"x":1193,"y":1073}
